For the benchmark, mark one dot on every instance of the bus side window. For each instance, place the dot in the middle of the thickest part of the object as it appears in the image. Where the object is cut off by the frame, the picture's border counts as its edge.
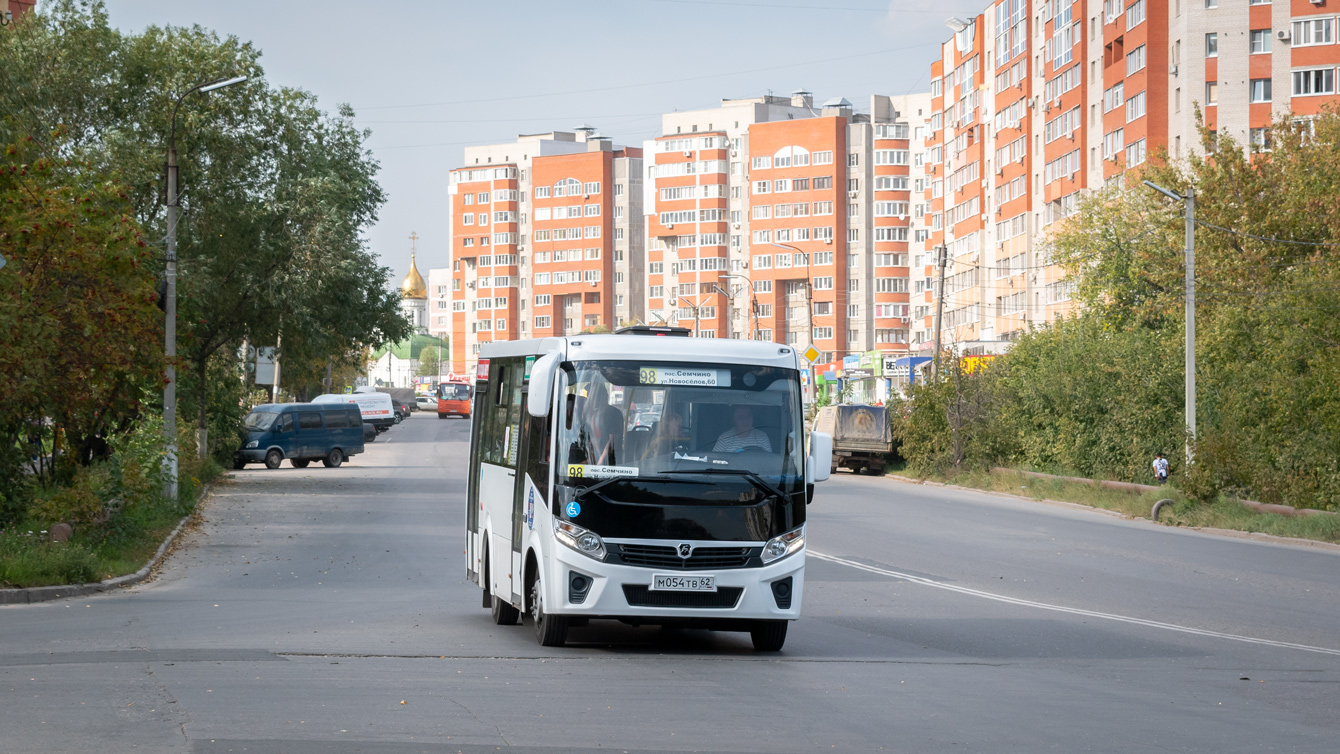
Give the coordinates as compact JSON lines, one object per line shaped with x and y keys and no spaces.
{"x":495,"y":414}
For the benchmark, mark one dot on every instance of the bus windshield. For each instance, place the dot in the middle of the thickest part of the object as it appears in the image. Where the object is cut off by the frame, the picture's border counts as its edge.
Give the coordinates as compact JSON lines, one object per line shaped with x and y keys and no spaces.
{"x":453,"y":391}
{"x":665,"y":421}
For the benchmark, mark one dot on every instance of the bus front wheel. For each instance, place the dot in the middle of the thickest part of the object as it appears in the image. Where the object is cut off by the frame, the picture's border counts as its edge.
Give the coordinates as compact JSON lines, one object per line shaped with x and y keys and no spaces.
{"x":550,"y":630}
{"x":768,"y":635}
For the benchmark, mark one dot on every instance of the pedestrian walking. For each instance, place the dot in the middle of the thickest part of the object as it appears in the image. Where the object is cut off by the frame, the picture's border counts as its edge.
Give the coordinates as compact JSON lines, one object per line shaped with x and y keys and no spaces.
{"x":1160,"y":468}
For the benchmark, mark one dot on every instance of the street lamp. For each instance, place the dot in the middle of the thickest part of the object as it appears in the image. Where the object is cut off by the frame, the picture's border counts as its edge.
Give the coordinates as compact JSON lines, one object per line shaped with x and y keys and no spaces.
{"x":170,"y":330}
{"x":1189,"y":212}
{"x":753,"y":300}
{"x":809,"y":301}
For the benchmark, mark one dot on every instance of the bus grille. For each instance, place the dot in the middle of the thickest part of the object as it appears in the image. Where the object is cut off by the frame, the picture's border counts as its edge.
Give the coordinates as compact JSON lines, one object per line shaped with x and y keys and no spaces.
{"x":660,"y":556}
{"x":640,"y":595}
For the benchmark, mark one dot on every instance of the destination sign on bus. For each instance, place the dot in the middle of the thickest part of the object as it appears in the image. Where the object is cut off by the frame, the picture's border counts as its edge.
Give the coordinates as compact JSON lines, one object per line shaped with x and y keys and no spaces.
{"x":683,"y":376}
{"x":600,"y":472}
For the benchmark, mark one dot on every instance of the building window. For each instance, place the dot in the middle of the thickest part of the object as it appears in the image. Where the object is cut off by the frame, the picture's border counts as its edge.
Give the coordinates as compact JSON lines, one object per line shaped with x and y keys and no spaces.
{"x":1314,"y":81}
{"x":1260,"y":138}
{"x":1212,"y":45}
{"x":1135,"y":107}
{"x":1135,"y":14}
{"x":1135,"y":60}
{"x":1211,"y":92}
{"x":853,"y":159}
{"x":1260,"y":90}
{"x":1313,"y":31}
{"x":1135,"y":153}
{"x":823,"y":284}
{"x":1260,"y":40}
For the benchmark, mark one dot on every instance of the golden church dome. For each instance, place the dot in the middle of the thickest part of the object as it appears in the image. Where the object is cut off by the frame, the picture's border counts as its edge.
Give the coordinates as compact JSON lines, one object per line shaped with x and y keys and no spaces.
{"x":413,"y":287}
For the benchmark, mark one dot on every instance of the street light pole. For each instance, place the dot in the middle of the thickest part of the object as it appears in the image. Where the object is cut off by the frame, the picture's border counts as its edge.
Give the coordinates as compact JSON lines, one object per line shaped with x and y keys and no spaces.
{"x":809,"y":301}
{"x":1189,"y":281}
{"x":170,"y":303}
{"x":939,"y":305}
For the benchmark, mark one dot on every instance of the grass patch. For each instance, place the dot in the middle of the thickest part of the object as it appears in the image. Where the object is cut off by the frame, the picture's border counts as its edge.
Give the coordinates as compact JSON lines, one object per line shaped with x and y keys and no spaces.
{"x":122,"y":545}
{"x":1222,"y":514}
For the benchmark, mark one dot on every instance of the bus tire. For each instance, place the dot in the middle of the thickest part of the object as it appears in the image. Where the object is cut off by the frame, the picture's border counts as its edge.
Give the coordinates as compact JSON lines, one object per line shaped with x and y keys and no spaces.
{"x":550,"y":630}
{"x":503,"y":612}
{"x":333,"y":459}
{"x":299,"y":463}
{"x":273,"y":458}
{"x":768,"y":635}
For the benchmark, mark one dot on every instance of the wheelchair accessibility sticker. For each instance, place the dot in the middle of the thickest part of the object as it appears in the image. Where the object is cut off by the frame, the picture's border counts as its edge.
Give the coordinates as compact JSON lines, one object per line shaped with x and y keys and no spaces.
{"x":574,"y":509}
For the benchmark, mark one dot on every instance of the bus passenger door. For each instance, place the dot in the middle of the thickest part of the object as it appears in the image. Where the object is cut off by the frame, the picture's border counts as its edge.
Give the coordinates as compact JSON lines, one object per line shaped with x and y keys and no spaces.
{"x":500,"y":424}
{"x":474,"y":504}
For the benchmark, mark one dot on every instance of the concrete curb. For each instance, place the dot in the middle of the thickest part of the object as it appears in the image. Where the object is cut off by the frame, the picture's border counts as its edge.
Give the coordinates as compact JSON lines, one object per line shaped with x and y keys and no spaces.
{"x":32,"y":594}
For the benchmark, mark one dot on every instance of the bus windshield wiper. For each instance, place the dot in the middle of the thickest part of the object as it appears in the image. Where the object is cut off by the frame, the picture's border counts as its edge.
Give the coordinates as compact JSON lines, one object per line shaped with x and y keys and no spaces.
{"x":753,"y":477}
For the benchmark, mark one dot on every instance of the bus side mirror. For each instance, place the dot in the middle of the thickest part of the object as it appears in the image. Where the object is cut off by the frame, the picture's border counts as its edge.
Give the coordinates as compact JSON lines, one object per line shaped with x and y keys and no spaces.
{"x":542,"y":384}
{"x":821,"y":456}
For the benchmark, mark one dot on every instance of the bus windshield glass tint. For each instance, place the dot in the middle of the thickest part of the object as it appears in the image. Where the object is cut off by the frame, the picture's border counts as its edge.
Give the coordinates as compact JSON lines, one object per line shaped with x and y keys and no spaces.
{"x":677,"y":421}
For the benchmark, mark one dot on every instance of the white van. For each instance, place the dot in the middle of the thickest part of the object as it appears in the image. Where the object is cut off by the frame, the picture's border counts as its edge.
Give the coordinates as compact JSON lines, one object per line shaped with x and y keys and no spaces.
{"x":375,"y":407}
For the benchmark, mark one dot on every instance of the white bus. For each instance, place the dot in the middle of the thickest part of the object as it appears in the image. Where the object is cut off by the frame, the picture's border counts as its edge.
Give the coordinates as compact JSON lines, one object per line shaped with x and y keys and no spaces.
{"x":651,"y":480}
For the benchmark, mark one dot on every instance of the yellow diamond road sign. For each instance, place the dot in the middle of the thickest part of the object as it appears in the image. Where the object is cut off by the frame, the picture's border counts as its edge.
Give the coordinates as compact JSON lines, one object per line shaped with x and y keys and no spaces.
{"x":811,"y":354}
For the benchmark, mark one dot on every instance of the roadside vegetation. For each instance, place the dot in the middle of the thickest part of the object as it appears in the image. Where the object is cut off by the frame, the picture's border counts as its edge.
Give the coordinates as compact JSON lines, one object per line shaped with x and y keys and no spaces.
{"x":275,"y":196}
{"x":1223,"y":513}
{"x":1099,"y":394}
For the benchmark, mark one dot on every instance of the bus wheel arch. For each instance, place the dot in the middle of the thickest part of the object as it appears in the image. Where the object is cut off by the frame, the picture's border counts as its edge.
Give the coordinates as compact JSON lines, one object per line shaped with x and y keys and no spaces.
{"x":550,"y":630}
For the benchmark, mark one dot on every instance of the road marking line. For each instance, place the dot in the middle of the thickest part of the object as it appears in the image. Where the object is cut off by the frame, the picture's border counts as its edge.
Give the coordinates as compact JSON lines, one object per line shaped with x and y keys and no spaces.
{"x":1072,"y":610}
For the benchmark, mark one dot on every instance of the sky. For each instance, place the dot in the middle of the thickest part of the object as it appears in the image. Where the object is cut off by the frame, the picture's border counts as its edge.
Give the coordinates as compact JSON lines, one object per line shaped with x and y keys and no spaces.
{"x":428,"y":78}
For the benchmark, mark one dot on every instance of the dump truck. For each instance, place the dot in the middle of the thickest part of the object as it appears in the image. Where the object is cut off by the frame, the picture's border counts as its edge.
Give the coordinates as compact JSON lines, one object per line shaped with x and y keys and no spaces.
{"x":862,"y":439}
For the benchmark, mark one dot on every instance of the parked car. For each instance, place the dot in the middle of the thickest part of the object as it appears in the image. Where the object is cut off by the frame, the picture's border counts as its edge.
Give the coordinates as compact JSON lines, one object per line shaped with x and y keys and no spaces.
{"x":302,"y":433}
{"x":426,"y":403}
{"x":376,"y":408}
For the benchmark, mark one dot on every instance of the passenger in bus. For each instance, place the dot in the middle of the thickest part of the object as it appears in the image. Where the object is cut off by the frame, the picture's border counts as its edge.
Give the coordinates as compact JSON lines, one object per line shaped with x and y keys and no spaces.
{"x":743,"y":435}
{"x":669,"y":436}
{"x":601,"y":429}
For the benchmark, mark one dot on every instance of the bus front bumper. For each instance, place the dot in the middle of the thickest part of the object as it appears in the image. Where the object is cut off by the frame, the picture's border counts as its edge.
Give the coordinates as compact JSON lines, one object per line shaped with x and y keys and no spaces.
{"x":770,"y":592}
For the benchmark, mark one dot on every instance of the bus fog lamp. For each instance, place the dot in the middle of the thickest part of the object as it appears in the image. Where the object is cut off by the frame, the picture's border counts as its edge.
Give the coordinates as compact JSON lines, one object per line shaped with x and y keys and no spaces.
{"x":582,"y":540}
{"x":781,"y":546}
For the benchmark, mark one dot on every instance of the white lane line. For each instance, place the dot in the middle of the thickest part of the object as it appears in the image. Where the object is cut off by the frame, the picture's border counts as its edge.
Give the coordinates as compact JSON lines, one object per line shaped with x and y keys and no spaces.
{"x":1072,"y":610}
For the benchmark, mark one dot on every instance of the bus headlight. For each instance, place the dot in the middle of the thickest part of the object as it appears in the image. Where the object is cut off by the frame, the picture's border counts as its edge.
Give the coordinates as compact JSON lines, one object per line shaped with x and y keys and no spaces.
{"x":253,"y":443}
{"x":582,"y":540}
{"x":779,"y":547}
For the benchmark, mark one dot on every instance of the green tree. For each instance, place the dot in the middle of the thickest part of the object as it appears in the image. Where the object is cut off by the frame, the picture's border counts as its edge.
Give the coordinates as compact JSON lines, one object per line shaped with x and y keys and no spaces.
{"x":428,"y":363}
{"x":275,"y":192}
{"x":77,"y":318}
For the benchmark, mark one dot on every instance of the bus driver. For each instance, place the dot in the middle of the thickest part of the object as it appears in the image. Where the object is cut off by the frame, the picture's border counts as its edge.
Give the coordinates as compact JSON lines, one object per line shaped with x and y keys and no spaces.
{"x":742,"y":435}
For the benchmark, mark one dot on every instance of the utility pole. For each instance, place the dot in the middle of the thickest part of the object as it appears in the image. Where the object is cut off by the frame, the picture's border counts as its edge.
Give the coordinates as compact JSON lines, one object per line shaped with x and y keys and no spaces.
{"x":279,"y":339}
{"x":1189,"y":213}
{"x":1190,"y":204}
{"x":940,"y":304}
{"x":170,"y":296}
{"x":170,"y":327}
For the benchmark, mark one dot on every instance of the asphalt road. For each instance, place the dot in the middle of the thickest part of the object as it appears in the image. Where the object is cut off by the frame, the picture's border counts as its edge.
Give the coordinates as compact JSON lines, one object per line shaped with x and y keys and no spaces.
{"x":325,"y":610}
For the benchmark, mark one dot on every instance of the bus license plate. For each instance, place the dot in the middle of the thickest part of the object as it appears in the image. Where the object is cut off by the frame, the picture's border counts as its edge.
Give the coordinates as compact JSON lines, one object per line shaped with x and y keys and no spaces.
{"x":664,"y":582}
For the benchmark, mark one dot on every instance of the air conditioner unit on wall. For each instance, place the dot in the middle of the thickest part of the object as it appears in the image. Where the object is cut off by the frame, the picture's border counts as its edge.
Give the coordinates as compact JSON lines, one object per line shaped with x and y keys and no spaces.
{"x":688,"y":154}
{"x":1283,"y":35}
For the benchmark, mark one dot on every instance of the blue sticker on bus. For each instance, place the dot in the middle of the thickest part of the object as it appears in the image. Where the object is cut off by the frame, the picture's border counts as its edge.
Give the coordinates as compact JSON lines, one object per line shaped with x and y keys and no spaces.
{"x":574,"y":509}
